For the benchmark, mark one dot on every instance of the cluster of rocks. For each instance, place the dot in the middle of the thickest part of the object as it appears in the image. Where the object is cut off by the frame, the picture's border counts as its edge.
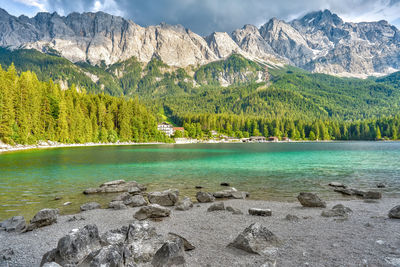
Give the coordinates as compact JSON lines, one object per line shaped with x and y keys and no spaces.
{"x":131,"y":245}
{"x":117,"y":186}
{"x":341,"y":188}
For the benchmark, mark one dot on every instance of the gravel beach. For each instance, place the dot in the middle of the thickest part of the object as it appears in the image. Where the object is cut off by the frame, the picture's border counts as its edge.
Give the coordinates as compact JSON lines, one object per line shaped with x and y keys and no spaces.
{"x":367,"y":238}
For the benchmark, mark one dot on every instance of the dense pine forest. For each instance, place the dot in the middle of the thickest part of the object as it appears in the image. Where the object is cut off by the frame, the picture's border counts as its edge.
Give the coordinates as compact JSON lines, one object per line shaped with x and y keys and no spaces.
{"x":31,"y":111}
{"x":125,"y":101}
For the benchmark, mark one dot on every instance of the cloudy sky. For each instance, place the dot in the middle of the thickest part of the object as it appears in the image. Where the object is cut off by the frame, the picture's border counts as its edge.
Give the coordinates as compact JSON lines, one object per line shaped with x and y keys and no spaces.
{"x":206,"y":16}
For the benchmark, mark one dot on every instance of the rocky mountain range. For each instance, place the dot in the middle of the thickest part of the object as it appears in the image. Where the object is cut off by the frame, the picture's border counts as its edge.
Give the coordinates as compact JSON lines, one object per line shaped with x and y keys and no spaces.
{"x":318,"y":42}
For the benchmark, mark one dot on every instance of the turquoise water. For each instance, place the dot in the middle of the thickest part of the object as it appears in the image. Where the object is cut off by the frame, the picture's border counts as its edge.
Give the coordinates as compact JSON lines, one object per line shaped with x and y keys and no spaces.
{"x":29,"y":180}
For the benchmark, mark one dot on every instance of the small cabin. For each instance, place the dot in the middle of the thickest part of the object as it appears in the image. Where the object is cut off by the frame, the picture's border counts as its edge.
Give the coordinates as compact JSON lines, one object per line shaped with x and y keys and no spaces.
{"x":257,"y":139}
{"x":273,"y":139}
{"x":286,"y":139}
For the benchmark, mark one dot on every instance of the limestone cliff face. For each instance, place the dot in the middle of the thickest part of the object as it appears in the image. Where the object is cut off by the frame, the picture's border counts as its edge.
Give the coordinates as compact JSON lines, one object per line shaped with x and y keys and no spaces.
{"x":319,"y":42}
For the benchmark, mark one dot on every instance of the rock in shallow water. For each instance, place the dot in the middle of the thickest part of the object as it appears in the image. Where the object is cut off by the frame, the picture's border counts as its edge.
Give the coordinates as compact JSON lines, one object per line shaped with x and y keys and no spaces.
{"x":152,"y":211}
{"x":311,"y":200}
{"x":394,"y":213}
{"x":204,"y":197}
{"x":372,"y":195}
{"x":115,"y":187}
{"x":256,"y":238}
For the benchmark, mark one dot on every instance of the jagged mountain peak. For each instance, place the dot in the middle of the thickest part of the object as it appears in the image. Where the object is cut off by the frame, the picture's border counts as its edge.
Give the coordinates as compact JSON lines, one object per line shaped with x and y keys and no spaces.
{"x":320,"y":19}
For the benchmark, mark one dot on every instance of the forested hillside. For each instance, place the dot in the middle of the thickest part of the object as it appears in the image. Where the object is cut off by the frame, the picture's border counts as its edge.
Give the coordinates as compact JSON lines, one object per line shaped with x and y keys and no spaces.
{"x":31,"y":110}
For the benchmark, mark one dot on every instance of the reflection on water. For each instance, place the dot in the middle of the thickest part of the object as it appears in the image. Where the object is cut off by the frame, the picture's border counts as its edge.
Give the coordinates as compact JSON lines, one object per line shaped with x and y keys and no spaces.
{"x":29,"y":180}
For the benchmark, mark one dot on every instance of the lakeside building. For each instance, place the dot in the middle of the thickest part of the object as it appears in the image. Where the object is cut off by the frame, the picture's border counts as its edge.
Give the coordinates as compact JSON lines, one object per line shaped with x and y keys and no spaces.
{"x":178,"y":129}
{"x":257,"y":139}
{"x":273,"y":139}
{"x":166,"y":128}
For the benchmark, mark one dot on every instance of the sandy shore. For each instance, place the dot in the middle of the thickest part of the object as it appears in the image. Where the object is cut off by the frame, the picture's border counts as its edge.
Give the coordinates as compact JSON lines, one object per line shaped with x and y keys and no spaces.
{"x":367,"y":238}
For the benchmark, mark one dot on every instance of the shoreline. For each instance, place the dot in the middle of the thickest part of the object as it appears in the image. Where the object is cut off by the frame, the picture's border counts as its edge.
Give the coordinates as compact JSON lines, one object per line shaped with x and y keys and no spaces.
{"x":4,"y":148}
{"x":366,"y":238}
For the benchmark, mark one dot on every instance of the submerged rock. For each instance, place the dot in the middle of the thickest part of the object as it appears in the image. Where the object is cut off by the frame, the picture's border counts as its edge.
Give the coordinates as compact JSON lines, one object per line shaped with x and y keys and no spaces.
{"x":255,"y":239}
{"x":43,"y":218}
{"x":260,"y":212}
{"x":165,"y":198}
{"x":394,"y":213}
{"x":204,"y":197}
{"x":116,"y":186}
{"x":372,"y":195}
{"x":225,"y":184}
{"x":216,"y":206}
{"x":184,"y":204}
{"x":90,"y":206}
{"x":336,"y":184}
{"x":16,"y":223}
{"x":310,"y":200}
{"x":381,"y":185}
{"x":152,"y":211}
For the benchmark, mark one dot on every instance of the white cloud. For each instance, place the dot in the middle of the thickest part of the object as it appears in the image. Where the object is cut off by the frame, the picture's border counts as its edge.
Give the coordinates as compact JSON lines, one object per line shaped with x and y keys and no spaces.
{"x":39,"y":4}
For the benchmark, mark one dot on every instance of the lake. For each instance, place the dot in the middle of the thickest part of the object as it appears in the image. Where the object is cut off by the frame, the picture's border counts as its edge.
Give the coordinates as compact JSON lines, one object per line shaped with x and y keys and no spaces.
{"x":29,"y":180}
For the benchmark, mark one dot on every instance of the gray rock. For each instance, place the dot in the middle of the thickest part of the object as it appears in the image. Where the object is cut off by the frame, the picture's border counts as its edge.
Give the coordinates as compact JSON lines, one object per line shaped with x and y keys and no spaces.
{"x":117,"y":205}
{"x":260,"y":212}
{"x":292,"y":218}
{"x":90,"y":206}
{"x":126,"y":198}
{"x":114,"y":236}
{"x":51,"y":264}
{"x":372,"y":195}
{"x":186,"y":244}
{"x":67,"y":203}
{"x":344,"y":191}
{"x":6,"y":254}
{"x":255,"y":239}
{"x":76,"y":218}
{"x":134,"y":190}
{"x":358,"y":192}
{"x":337,"y":211}
{"x":311,"y":200}
{"x":184,"y":204}
{"x":216,"y":206}
{"x":234,"y":211}
{"x":152,"y":211}
{"x":113,"y":183}
{"x":43,"y":218}
{"x":204,"y":197}
{"x":381,"y":185}
{"x":111,"y":255}
{"x":117,"y":186}
{"x":16,"y":223}
{"x":337,"y":184}
{"x":73,"y":248}
{"x":394,"y":213}
{"x":170,"y":254}
{"x":138,"y":201}
{"x":165,"y":198}
{"x":239,"y":195}
{"x":225,"y":184}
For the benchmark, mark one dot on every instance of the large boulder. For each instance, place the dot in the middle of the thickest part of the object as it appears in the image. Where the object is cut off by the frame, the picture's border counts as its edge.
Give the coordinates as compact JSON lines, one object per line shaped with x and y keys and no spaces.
{"x":186,"y":244}
{"x":127,"y":200}
{"x":394,"y":213}
{"x":73,"y":248}
{"x":184,"y":204}
{"x":311,"y":200}
{"x":152,"y":211}
{"x":138,"y":201}
{"x":111,"y":255}
{"x":204,"y":197}
{"x":170,"y":254}
{"x":256,"y":238}
{"x":116,"y":186}
{"x":90,"y":206}
{"x":43,"y":218}
{"x":165,"y":198}
{"x":16,"y":223}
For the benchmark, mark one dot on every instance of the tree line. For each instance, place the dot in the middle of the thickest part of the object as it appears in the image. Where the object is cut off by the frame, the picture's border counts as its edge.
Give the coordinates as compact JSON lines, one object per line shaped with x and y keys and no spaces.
{"x":32,"y":111}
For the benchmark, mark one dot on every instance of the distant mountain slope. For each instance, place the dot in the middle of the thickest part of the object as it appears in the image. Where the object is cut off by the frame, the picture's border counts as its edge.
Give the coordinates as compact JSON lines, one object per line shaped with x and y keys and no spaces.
{"x":319,"y":42}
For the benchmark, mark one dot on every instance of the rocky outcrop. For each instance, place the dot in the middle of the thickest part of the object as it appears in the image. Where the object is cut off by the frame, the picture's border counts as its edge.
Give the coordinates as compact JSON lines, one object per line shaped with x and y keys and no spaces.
{"x":90,"y":206}
{"x":117,"y":186}
{"x":43,"y":218}
{"x":319,"y":42}
{"x":16,"y":223}
{"x":129,"y":246}
{"x":152,"y":211}
{"x":394,"y":213}
{"x":204,"y":197}
{"x":256,"y":239}
{"x":165,"y":198}
{"x":310,"y":200}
